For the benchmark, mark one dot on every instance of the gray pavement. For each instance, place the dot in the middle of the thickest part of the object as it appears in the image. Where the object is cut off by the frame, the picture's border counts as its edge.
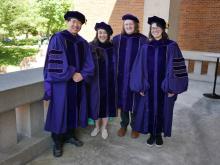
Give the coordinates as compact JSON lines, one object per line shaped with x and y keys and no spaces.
{"x":195,"y":139}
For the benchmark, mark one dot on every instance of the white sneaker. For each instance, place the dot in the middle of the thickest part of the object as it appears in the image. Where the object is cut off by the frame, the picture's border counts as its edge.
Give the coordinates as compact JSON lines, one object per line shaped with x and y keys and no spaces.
{"x":104,"y":133}
{"x":95,"y":132}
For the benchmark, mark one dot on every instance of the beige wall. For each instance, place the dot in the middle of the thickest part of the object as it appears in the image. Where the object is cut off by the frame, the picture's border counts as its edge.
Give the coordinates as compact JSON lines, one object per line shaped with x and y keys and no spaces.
{"x":95,"y":11}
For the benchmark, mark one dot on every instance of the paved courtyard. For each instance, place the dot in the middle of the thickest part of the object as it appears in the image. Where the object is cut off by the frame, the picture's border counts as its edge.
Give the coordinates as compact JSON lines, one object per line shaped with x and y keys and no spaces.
{"x":195,"y":139}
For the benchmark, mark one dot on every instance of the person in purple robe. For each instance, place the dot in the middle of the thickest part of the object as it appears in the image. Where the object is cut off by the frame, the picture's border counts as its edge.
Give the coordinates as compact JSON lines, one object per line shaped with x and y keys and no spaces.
{"x":158,"y":75}
{"x":102,"y":89}
{"x":68,"y":68}
{"x":126,"y":46}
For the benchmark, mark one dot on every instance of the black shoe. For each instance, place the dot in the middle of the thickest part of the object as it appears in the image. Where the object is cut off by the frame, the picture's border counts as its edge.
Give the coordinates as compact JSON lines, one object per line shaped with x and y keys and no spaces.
{"x":57,"y":150}
{"x":74,"y":141}
{"x":159,"y":141}
{"x":150,"y":141}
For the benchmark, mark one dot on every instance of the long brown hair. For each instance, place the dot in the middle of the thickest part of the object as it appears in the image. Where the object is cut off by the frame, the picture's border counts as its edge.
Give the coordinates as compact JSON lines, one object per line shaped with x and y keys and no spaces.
{"x":96,"y":38}
{"x":136,"y":28}
{"x":164,"y":34}
{"x":96,"y":41}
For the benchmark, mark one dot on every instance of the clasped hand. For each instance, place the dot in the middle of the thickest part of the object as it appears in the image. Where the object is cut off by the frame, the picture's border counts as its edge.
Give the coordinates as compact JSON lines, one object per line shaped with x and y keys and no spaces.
{"x":77,"y":77}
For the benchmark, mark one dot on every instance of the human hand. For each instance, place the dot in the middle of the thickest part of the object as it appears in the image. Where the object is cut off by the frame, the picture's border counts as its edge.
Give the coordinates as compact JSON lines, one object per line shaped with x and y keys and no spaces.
{"x":171,"y":94}
{"x":77,"y":77}
{"x":142,"y":94}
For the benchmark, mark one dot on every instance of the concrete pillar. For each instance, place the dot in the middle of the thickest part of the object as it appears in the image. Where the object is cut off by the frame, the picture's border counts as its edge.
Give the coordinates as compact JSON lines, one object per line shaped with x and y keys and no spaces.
{"x":156,"y":7}
{"x":197,"y":67}
{"x":8,"y":132}
{"x":211,"y":69}
{"x":174,"y":16}
{"x":167,"y":9}
{"x":187,"y":64}
{"x":37,"y":117}
{"x":30,"y":119}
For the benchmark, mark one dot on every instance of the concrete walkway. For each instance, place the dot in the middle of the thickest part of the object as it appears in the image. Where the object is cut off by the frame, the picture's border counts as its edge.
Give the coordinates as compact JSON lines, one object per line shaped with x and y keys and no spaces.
{"x":195,"y":139}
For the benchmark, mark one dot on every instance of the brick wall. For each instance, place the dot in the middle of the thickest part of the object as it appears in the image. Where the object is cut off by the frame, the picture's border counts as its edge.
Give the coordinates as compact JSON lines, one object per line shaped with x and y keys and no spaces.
{"x":109,"y":11}
{"x":199,"y":26}
{"x":122,"y":7}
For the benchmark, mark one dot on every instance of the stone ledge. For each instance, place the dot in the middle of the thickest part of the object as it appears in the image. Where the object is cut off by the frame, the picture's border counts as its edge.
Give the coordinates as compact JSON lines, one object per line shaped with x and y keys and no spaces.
{"x":20,"y":79}
{"x":26,"y":150}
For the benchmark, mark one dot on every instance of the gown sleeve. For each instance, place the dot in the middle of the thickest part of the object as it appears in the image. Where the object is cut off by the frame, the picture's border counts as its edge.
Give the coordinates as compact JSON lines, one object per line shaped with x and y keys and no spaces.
{"x":144,"y":40}
{"x":56,"y":67}
{"x":116,"y":44}
{"x":138,"y":75}
{"x":177,"y":77}
{"x":88,"y":66}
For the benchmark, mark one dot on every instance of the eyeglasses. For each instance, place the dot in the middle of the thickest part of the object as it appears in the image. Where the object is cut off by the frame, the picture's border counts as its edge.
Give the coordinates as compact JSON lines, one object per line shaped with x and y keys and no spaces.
{"x":155,"y":28}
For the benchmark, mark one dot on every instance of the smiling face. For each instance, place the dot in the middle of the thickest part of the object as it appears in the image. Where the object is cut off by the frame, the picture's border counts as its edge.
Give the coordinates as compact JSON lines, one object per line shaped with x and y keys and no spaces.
{"x":129,"y":26}
{"x":156,"y":31}
{"x":102,"y":35}
{"x":73,"y":25}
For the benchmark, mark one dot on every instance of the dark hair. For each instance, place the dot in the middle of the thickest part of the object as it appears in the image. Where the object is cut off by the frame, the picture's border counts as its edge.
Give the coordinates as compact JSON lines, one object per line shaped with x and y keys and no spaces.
{"x":164,"y":34}
{"x":136,"y":28}
{"x":96,"y":38}
{"x":69,"y":19}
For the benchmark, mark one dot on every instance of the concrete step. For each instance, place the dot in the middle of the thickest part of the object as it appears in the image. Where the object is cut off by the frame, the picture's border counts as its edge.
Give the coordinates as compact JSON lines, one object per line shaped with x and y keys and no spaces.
{"x":26,"y":150}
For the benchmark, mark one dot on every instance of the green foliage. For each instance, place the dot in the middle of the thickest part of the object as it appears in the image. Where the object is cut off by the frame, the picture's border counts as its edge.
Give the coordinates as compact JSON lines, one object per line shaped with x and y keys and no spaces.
{"x":53,"y":11}
{"x":25,"y":17}
{"x":14,"y":55}
{"x":9,"y":11}
{"x":32,"y":16}
{"x":23,"y":42}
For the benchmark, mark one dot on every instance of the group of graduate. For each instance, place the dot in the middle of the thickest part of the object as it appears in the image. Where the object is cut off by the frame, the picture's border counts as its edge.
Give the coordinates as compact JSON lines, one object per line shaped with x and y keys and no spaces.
{"x":137,"y":75}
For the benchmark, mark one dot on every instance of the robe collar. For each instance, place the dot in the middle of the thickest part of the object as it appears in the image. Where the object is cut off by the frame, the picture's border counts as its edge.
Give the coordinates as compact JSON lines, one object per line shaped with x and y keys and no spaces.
{"x":160,"y":42}
{"x":132,"y":35}
{"x":69,"y":36}
{"x":105,"y":45}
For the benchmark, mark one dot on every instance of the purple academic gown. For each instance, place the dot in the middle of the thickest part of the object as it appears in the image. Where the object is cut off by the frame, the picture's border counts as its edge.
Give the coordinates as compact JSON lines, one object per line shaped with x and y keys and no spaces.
{"x":66,"y":55}
{"x":102,"y":91}
{"x":158,"y":69}
{"x":125,"y":49}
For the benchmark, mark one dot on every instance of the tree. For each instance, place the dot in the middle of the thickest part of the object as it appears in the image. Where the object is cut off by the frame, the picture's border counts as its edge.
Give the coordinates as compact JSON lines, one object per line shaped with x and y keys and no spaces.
{"x":9,"y":11}
{"x":29,"y":20}
{"x":53,"y":11}
{"x":32,"y":16}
